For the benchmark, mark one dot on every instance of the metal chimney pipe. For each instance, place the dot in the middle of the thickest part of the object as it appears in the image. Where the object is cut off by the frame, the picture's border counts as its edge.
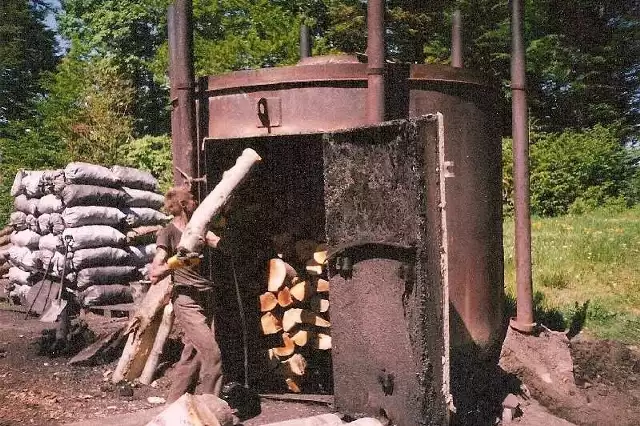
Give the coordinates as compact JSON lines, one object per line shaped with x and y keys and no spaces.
{"x":375,"y":66}
{"x":519,"y":123}
{"x":456,"y":40}
{"x":305,"y":42}
{"x":183,"y":115}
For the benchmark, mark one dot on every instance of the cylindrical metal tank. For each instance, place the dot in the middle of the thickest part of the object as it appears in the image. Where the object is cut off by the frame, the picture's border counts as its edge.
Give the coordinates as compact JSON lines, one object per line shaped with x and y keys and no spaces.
{"x":329,"y":93}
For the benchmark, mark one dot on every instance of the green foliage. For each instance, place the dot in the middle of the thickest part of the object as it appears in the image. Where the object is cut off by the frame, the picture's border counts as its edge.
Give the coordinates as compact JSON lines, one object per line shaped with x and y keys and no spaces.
{"x":27,"y":49}
{"x":574,"y":171}
{"x":151,"y":153}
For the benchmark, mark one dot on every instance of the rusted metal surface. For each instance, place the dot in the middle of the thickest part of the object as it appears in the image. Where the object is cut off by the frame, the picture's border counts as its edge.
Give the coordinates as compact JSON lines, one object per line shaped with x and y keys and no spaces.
{"x":456,"y":40}
{"x":305,"y":42}
{"x":375,"y":61}
{"x":183,"y":115}
{"x":519,"y":124}
{"x":386,"y":311}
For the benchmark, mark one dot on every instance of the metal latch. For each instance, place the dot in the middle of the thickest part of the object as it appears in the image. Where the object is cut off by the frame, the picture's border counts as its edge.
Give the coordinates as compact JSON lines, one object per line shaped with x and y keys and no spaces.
{"x":269,"y":113}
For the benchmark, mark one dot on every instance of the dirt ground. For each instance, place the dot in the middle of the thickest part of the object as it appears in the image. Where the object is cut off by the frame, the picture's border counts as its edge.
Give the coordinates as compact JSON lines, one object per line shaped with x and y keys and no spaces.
{"x":37,"y":390}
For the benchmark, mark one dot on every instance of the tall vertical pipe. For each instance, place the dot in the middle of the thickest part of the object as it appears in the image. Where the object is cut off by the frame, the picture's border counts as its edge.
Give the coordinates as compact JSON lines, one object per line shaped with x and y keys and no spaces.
{"x":375,"y":66}
{"x":519,"y":122}
{"x":183,"y":116}
{"x":305,"y":42}
{"x":456,"y":40}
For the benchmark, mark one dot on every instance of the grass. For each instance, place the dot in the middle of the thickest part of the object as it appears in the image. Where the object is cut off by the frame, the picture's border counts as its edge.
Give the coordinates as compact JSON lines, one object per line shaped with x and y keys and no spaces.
{"x":586,"y":268}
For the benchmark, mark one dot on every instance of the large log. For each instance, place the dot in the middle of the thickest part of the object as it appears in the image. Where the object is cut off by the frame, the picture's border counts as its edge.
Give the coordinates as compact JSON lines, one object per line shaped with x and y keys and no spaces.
{"x":193,"y":237}
{"x":158,"y":345}
{"x":142,"y":331}
{"x":7,"y":230}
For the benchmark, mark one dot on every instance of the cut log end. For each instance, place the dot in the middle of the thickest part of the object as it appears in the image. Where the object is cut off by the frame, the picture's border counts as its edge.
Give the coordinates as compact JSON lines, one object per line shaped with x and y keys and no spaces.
{"x":277,"y":274}
{"x":284,"y":297}
{"x":286,"y":350}
{"x":270,"y":324}
{"x":268,"y":301}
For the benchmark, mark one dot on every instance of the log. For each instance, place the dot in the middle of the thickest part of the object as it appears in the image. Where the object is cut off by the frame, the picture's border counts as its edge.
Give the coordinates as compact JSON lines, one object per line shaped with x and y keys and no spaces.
{"x":102,"y":350}
{"x":286,"y":350}
{"x":295,"y":366}
{"x":195,"y":410}
{"x":284,"y":297}
{"x":164,"y":330}
{"x":322,"y":285}
{"x":312,"y":339}
{"x":305,"y":249}
{"x":277,"y":274}
{"x":320,"y":255}
{"x":268,"y":301}
{"x":302,"y":291}
{"x":295,"y":316}
{"x":312,"y":267}
{"x":270,"y":324}
{"x":193,"y":237}
{"x":7,"y":230}
{"x":318,"y":304}
{"x":142,"y":330}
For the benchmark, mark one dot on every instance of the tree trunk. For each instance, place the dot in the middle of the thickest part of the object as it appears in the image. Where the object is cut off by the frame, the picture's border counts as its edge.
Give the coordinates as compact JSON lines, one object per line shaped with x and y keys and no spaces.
{"x":192,"y":239}
{"x":158,"y":345}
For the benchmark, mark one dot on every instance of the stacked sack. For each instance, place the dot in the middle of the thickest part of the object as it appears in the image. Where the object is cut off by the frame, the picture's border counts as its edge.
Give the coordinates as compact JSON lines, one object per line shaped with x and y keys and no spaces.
{"x":97,"y":238}
{"x":5,"y":246}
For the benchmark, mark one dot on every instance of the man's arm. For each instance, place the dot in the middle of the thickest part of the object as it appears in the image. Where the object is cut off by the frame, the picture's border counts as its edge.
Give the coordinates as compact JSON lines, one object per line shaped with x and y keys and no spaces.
{"x":159,"y":267}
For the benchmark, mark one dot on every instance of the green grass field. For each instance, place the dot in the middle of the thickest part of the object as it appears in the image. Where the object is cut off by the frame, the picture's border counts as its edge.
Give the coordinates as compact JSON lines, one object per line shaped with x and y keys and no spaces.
{"x":586,"y":270}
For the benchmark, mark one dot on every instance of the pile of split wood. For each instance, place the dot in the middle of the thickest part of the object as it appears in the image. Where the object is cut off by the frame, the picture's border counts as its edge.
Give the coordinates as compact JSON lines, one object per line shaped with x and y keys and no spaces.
{"x":296,"y":308}
{"x":90,"y":225}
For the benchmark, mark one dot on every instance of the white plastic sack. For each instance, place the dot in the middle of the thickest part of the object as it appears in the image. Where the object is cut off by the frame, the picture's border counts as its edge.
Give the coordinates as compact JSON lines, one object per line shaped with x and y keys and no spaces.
{"x":135,"y":178}
{"x":100,"y":256}
{"x":44,"y":223}
{"x":92,"y":215}
{"x":111,"y":294}
{"x":94,"y":236}
{"x":57,"y":224}
{"x":141,"y":255}
{"x":53,"y":181}
{"x":26,"y":238}
{"x":49,"y":242}
{"x":140,"y":216}
{"x":93,"y":195}
{"x":57,"y":261}
{"x":50,"y":204}
{"x":32,"y":223}
{"x":18,"y":220}
{"x":90,"y":174}
{"x":24,"y":258}
{"x":103,"y":275}
{"x":16,"y":188}
{"x":32,"y":183}
{"x":19,"y":277}
{"x":19,"y":293}
{"x":141,"y":198}
{"x":26,"y":205}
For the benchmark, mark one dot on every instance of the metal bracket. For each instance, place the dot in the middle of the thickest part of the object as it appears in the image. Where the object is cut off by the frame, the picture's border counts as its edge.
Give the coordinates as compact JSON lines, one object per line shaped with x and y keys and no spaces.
{"x":190,"y":180}
{"x":269,"y":113}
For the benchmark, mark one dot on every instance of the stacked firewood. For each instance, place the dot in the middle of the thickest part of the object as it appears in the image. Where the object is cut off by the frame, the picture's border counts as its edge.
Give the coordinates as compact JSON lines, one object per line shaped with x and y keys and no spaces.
{"x":295,"y":308}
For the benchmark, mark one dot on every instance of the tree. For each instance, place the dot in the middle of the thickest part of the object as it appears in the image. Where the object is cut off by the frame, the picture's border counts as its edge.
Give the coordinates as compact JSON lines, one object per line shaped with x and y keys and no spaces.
{"x":27,"y":49}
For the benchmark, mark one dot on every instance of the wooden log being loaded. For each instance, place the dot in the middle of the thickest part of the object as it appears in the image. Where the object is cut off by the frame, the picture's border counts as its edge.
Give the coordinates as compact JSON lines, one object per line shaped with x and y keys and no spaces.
{"x":146,"y":321}
{"x":146,"y":377}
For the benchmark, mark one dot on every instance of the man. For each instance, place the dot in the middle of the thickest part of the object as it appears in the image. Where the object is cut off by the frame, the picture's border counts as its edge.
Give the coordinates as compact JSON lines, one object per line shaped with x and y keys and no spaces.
{"x":192,"y":303}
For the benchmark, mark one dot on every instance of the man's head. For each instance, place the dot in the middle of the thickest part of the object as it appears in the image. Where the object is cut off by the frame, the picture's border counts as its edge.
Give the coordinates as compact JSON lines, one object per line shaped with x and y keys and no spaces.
{"x":179,"y":200}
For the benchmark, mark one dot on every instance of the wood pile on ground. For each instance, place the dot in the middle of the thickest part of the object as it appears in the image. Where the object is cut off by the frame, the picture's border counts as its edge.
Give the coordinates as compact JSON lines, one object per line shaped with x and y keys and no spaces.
{"x":295,"y":309}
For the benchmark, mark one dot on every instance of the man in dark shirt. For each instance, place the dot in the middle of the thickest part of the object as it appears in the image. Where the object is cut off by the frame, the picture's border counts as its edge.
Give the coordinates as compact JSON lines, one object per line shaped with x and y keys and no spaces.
{"x":192,"y":303}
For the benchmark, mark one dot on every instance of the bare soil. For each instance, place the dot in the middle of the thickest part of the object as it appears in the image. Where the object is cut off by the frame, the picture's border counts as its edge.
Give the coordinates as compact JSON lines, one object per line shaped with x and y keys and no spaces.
{"x":38,"y":390}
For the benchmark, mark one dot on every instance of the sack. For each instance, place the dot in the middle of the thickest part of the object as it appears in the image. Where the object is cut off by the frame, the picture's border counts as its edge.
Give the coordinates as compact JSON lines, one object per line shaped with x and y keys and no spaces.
{"x":92,"y":215}
{"x":26,"y":205}
{"x":101,"y":256}
{"x":24,"y":258}
{"x":112,"y":294}
{"x":135,"y":178}
{"x":53,"y":181}
{"x":91,"y":195}
{"x":19,"y":277}
{"x":44,"y":223}
{"x":141,"y":255}
{"x":19,"y":293}
{"x":57,"y":223}
{"x":50,"y":204}
{"x":32,"y":184}
{"x":26,"y":238}
{"x":18,"y":220}
{"x":57,"y":262}
{"x":16,"y":188}
{"x":139,"y":216}
{"x":103,"y":275}
{"x":140,"y":198}
{"x":92,"y":236}
{"x":143,"y":235}
{"x":32,"y":223}
{"x":90,"y":174}
{"x":50,"y":242}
